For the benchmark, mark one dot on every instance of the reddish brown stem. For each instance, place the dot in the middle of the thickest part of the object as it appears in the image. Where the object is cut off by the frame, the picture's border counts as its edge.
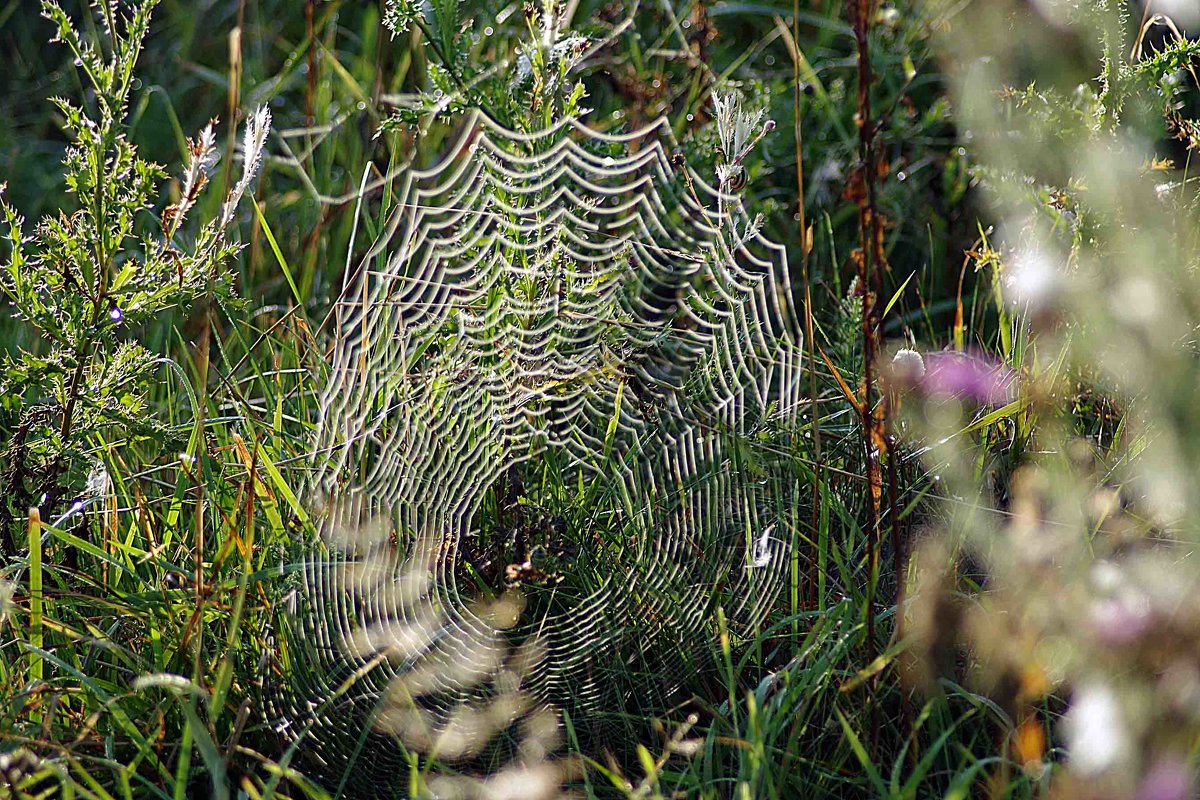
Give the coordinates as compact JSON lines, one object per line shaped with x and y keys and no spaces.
{"x":870,"y":266}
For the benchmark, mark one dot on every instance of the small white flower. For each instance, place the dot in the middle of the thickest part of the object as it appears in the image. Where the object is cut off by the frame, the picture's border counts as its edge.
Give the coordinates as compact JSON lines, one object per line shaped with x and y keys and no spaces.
{"x":1032,"y":279}
{"x":1106,"y":577}
{"x":1097,"y":738}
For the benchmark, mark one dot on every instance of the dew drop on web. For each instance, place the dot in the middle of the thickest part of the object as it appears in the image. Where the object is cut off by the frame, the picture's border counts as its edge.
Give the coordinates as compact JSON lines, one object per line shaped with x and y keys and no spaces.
{"x":542,"y":373}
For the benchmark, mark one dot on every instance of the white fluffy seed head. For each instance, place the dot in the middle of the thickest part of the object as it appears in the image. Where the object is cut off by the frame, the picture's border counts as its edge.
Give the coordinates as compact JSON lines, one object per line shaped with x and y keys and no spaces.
{"x":907,"y":368}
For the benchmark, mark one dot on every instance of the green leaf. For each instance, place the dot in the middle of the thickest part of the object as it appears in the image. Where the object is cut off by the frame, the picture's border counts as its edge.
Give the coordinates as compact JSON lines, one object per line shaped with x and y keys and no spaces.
{"x":861,"y":753}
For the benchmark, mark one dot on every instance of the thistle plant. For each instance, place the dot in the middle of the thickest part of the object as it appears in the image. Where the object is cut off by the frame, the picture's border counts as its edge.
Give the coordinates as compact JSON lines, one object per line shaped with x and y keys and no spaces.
{"x":1077,"y":503}
{"x":530,"y":88}
{"x":85,"y":279}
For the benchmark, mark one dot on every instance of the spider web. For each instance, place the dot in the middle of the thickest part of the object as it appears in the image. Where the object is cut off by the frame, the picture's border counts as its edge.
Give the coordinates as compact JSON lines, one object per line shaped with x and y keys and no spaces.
{"x":539,"y":453}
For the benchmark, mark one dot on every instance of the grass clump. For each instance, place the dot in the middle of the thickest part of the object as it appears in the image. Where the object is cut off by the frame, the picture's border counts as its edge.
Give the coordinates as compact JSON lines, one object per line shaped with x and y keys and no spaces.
{"x":95,"y":271}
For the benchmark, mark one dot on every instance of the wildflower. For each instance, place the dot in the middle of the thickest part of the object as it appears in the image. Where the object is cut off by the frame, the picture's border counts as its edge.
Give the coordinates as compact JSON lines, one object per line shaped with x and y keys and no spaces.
{"x":1121,"y":613}
{"x":1168,"y":779}
{"x":963,"y":375}
{"x":1032,"y":279}
{"x":399,"y":15}
{"x":1121,"y":619}
{"x":1097,"y":738}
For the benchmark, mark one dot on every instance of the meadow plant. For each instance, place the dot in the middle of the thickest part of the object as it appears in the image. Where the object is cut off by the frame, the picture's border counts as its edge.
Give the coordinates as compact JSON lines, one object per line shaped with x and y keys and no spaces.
{"x":84,"y":287}
{"x":1075,"y":517}
{"x":460,"y":704}
{"x":89,"y":276}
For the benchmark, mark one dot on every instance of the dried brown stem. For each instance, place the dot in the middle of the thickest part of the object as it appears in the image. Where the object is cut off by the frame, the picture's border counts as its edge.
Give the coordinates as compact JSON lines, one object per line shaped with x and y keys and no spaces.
{"x":813,"y":597}
{"x":870,"y":262}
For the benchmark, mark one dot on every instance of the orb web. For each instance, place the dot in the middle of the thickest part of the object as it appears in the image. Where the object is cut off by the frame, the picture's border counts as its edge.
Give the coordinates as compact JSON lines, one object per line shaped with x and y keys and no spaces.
{"x":550,"y":385}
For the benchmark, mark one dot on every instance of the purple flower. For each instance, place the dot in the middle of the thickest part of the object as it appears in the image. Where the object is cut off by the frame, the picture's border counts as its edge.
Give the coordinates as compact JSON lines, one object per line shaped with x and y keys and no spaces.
{"x":1120,"y":620}
{"x":965,"y":375}
{"x":1167,"y":780}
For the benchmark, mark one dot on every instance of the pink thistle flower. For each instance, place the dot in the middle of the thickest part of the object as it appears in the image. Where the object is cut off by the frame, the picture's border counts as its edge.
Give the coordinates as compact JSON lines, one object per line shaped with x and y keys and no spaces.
{"x":968,"y":376}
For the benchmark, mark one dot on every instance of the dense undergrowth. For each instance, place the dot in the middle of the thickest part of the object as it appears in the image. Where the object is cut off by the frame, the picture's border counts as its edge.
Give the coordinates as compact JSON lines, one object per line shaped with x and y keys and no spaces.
{"x":989,"y":592}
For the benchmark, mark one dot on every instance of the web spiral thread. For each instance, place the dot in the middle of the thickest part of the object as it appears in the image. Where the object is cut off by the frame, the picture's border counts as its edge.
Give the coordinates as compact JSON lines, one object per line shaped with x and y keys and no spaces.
{"x":566,"y":298}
